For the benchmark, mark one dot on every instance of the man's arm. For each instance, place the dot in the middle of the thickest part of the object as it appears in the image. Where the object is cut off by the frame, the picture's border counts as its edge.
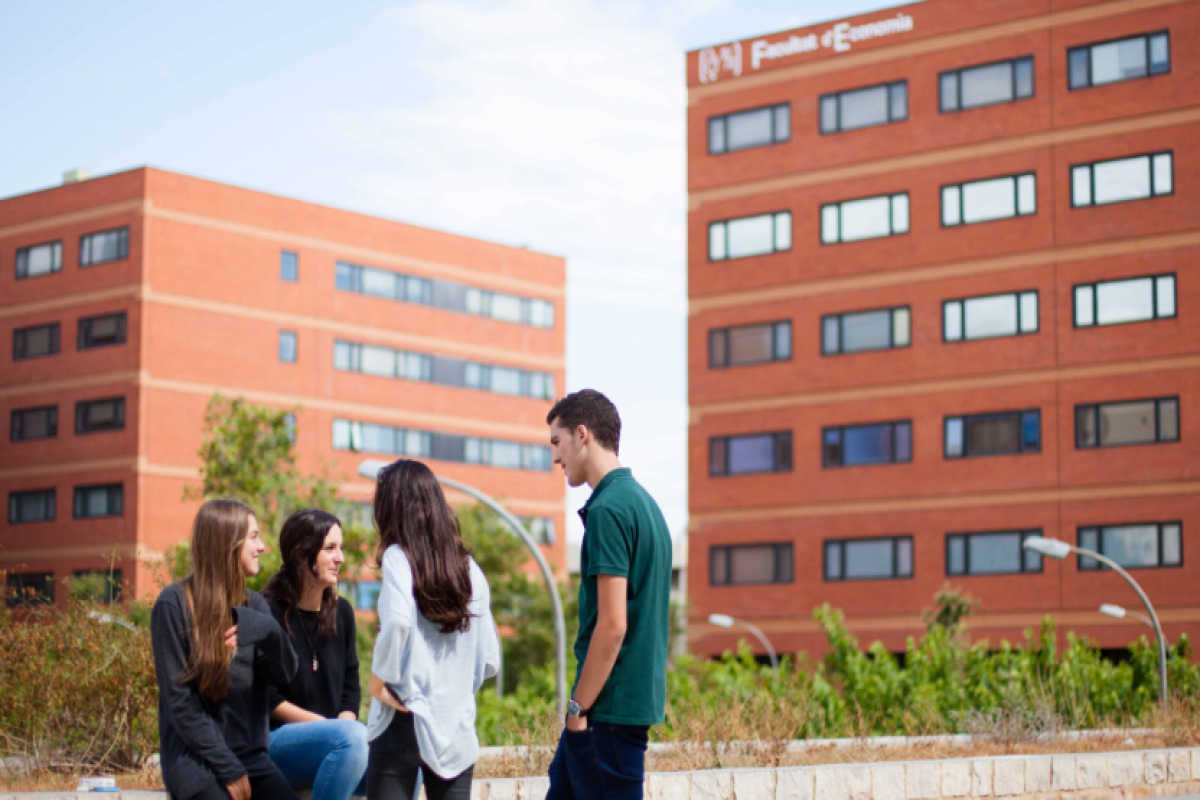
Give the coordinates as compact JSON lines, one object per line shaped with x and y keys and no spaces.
{"x":605,"y":645}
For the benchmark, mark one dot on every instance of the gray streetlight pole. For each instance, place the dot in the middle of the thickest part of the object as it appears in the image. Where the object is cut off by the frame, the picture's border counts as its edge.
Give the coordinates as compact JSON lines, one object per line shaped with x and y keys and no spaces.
{"x":726,"y":621}
{"x":1056,"y":548}
{"x":371,"y":469}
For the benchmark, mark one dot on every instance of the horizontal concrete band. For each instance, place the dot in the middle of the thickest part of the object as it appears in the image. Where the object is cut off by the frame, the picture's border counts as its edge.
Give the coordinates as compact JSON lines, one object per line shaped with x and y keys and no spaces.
{"x":347,"y":250}
{"x":1151,"y":773}
{"x":931,"y":44}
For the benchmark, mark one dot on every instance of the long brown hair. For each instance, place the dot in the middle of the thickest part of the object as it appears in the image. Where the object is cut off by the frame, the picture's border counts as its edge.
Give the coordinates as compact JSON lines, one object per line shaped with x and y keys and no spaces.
{"x":216,"y":585}
{"x":300,"y":541}
{"x":411,"y":511}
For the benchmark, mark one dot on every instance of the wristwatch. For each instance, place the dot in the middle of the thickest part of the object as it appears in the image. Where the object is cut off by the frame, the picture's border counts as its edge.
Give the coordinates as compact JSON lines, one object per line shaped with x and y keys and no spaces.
{"x":576,"y":710}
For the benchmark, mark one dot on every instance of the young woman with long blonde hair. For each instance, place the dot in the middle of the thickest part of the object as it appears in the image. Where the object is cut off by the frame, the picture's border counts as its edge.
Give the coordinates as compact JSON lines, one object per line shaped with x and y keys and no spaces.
{"x":216,"y":649}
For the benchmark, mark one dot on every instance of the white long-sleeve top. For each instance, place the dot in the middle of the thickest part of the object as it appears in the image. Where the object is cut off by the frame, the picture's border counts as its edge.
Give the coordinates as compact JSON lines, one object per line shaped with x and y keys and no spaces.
{"x":434,"y":674}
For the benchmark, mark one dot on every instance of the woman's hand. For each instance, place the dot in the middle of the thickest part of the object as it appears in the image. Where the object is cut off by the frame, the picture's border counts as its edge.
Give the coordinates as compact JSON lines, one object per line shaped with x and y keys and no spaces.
{"x":231,"y":641}
{"x":239,"y":789}
{"x":348,"y":715}
{"x":380,"y":691}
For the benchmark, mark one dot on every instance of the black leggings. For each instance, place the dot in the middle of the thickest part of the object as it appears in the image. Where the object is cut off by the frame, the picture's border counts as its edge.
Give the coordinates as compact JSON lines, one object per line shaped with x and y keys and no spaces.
{"x":264,"y":787}
{"x":393,"y":761}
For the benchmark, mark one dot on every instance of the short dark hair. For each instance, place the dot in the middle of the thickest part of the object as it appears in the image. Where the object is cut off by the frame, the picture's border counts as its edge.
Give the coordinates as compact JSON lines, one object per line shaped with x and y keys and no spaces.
{"x":594,"y":411}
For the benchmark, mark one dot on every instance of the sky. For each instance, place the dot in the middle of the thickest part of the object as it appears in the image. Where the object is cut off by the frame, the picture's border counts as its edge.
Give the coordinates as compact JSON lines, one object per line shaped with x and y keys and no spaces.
{"x":553,"y":124}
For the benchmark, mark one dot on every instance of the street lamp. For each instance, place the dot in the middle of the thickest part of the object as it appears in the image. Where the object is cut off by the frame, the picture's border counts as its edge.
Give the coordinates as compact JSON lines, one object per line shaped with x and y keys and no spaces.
{"x":1060,"y":550}
{"x":1120,"y":612}
{"x":371,"y":469}
{"x":726,"y":621}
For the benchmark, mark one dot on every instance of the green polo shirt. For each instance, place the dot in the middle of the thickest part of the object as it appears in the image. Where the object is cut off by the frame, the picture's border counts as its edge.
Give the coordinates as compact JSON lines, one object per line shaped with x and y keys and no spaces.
{"x":625,"y":535}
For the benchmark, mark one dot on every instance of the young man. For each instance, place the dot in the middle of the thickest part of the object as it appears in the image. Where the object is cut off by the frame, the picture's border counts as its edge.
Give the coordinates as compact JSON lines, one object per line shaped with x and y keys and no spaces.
{"x":625,"y":570}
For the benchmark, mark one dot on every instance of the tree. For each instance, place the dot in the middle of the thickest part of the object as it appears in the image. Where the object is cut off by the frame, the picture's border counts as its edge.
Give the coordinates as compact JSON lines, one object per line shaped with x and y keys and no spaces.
{"x":953,"y":607}
{"x":248,"y":454}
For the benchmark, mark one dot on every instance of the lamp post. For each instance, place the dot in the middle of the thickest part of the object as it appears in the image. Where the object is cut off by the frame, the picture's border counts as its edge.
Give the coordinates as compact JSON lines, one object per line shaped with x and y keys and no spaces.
{"x":371,"y":469}
{"x":1120,"y":612}
{"x":1055,"y":548}
{"x":726,"y":621}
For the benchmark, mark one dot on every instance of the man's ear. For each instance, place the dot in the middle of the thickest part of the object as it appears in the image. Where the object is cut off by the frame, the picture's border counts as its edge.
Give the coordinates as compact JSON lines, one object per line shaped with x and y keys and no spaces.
{"x":583,"y":434}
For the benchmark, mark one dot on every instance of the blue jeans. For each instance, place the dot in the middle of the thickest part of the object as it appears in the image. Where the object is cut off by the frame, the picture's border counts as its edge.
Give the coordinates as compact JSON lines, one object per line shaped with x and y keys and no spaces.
{"x":329,"y":756}
{"x":605,"y":762}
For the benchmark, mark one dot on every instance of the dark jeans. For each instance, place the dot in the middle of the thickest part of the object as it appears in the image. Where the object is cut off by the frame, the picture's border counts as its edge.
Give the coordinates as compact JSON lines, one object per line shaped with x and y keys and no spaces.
{"x":264,"y":787}
{"x":394,"y":761}
{"x":605,"y":762}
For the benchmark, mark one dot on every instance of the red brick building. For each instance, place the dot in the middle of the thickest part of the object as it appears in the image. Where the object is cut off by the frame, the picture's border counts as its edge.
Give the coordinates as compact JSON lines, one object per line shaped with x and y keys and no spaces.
{"x":944,"y":282}
{"x":130,"y":300}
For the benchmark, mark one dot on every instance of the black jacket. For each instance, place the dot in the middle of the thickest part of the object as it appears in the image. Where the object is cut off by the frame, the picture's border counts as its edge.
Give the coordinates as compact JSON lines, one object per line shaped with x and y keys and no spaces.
{"x":334,"y":687}
{"x":203,"y":741}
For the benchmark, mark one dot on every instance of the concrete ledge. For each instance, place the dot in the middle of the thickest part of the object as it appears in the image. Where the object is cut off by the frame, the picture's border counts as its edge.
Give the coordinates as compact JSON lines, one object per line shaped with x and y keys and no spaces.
{"x":1087,"y":776}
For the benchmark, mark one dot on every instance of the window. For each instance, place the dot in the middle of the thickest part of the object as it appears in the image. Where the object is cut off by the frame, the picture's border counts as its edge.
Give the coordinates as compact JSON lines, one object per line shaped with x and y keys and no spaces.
{"x":102,"y":586}
{"x":444,"y":295}
{"x":1129,"y":300}
{"x":749,"y":454}
{"x":1152,"y":544}
{"x":868,"y":559}
{"x":100,"y":415}
{"x":856,"y":445}
{"x":739,"y":565}
{"x":999,"y":553}
{"x":985,"y":85}
{"x":287,"y":346}
{"x":861,"y":331}
{"x":99,"y":501}
{"x":102,"y":247}
{"x":41,"y":259}
{"x":749,"y":344}
{"x":1002,"y":433}
{"x":984,"y":201}
{"x":289,"y":422}
{"x":35,"y":506}
{"x":750,"y":236}
{"x":36,"y":341}
{"x":1122,"y":179}
{"x":868,"y":218}
{"x":29,"y":588}
{"x":1120,"y":60}
{"x":368,"y":594}
{"x":33,"y":423}
{"x":369,"y":437}
{"x":753,"y":128}
{"x":864,"y":108}
{"x":540,"y":528}
{"x":989,"y":317}
{"x":1134,"y":422}
{"x":388,"y":363}
{"x":102,"y":331}
{"x":289,"y":266}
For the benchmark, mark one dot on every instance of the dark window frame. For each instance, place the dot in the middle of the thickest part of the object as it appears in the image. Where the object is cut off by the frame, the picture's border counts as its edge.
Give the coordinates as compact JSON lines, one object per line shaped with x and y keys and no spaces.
{"x":962,"y":203}
{"x":966,"y":536}
{"x":840,"y":317}
{"x":891,"y":198}
{"x":284,"y":266}
{"x":963,"y":301}
{"x":774,"y":236}
{"x":837,"y":96}
{"x":966,"y":418}
{"x":1158,"y":402}
{"x":79,"y":500}
{"x":21,"y":346}
{"x":724,"y":118}
{"x":430,"y":370}
{"x":1096,"y":566}
{"x":436,"y":445}
{"x":50,"y":494}
{"x":774,"y":325}
{"x":1087,"y":50}
{"x":841,"y":429}
{"x":895,"y":540}
{"x":1095,"y":286}
{"x":81,"y":407}
{"x":1091,"y":168}
{"x":12,"y":589}
{"x":779,"y":440}
{"x":784,"y":553}
{"x":52,"y":423}
{"x":122,"y":246}
{"x":83,"y":333}
{"x":958,"y":84}
{"x":23,"y":274}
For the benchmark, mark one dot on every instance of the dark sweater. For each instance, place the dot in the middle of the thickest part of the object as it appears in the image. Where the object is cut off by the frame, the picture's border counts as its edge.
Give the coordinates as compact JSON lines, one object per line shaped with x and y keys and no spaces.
{"x":202,"y":741}
{"x":334,"y":687}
